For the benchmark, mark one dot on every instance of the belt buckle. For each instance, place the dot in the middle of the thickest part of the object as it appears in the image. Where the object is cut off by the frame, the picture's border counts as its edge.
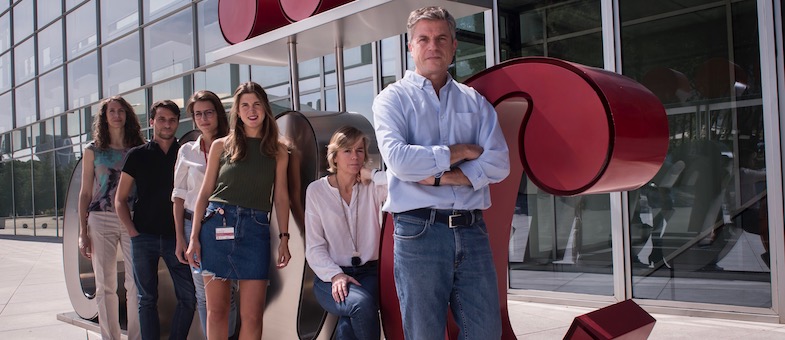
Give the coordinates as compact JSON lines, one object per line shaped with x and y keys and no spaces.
{"x":452,"y":217}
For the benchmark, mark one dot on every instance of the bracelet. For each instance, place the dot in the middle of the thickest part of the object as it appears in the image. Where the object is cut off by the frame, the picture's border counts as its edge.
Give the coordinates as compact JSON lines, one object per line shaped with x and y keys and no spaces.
{"x":281,"y":235}
{"x":437,"y":181}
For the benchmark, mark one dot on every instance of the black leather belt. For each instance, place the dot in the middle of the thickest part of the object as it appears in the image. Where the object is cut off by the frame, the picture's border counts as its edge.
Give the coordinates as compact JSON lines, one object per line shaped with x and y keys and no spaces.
{"x":452,"y":218}
{"x":364,"y":265}
{"x":188,"y":215}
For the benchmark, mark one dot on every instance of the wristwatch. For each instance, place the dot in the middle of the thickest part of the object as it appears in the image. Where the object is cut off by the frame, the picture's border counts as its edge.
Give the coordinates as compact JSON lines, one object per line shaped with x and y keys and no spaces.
{"x":281,"y":235}
{"x":437,"y":179}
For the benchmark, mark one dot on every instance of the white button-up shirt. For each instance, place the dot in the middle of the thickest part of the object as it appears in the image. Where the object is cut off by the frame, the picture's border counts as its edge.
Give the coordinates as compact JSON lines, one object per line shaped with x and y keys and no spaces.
{"x":414,"y":129}
{"x":329,"y":222}
{"x":189,"y":173}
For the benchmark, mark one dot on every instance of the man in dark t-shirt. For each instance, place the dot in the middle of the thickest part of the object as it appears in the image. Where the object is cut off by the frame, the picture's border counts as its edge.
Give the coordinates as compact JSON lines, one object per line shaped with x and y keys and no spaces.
{"x":151,"y":167}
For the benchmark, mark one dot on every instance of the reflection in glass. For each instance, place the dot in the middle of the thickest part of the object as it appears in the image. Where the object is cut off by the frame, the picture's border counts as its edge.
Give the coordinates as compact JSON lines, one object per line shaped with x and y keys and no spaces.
{"x":567,"y":30}
{"x":391,"y":60}
{"x":6,"y":120}
{"x":23,"y":20}
{"x":121,"y":65}
{"x":217,"y":79}
{"x":5,"y":31}
{"x":44,"y":198}
{"x":48,"y":11}
{"x":470,"y":55}
{"x":26,"y":106}
{"x":83,"y":81}
{"x":156,"y":8}
{"x":5,"y":71}
{"x":361,"y":99}
{"x":118,"y":17}
{"x":270,"y":76}
{"x":138,"y":101}
{"x":52,"y":93}
{"x":81,"y":28}
{"x":169,"y":46}
{"x":24,"y":60}
{"x":23,"y":195}
{"x":210,"y":36}
{"x":50,"y":47}
{"x":65,"y":162}
{"x":6,"y":194}
{"x":311,"y":102}
{"x":702,"y":219}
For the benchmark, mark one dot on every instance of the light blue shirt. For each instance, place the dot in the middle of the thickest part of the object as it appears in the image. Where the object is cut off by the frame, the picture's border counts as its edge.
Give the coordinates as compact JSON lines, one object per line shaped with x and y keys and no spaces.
{"x":414,"y":129}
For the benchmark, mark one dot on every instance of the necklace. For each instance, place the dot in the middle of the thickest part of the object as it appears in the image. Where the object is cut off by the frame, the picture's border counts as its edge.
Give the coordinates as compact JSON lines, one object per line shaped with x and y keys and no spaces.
{"x":356,"y":261}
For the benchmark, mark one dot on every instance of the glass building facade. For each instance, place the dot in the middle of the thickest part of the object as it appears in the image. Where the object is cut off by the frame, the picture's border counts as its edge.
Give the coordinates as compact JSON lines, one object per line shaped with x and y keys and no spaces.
{"x":696,"y":238}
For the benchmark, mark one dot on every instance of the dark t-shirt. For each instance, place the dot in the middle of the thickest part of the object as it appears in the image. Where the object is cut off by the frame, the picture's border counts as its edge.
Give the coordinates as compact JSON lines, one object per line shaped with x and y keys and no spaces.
{"x":153,"y":173}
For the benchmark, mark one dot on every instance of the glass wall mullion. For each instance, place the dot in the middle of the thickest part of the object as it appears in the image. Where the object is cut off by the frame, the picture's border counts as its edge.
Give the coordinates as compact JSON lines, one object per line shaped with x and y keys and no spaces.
{"x":771,"y":69}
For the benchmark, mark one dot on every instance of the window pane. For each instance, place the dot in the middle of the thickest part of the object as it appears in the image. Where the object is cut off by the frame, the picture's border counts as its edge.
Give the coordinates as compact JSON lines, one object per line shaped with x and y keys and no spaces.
{"x":80,"y":25}
{"x":50,"y":47}
{"x":52,"y":93}
{"x":156,"y":8}
{"x":361,"y":99}
{"x":3,"y":5}
{"x":6,"y":111}
{"x":5,"y":71}
{"x":391,"y":60}
{"x":269,"y":76}
{"x":703,"y":221}
{"x":122,"y":66}
{"x":5,"y":31}
{"x":357,"y":63}
{"x":118,"y":17}
{"x":48,"y":11}
{"x":23,"y":20}
{"x":24,"y":60}
{"x":72,"y":3}
{"x":23,"y":195}
{"x":138,"y":101}
{"x":83,"y":81}
{"x":210,"y":36}
{"x":169,"y":46}
{"x":6,"y":194}
{"x":217,"y":79}
{"x":26,"y":106}
{"x":470,"y":55}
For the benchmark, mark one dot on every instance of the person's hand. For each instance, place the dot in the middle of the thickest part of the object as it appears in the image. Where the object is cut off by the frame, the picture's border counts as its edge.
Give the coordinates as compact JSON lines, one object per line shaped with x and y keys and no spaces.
{"x":194,"y":254}
{"x":341,"y":286}
{"x":464,"y":152}
{"x":283,"y":253}
{"x":366,"y":175}
{"x":179,"y":250}
{"x":85,"y":245}
{"x":133,"y":233}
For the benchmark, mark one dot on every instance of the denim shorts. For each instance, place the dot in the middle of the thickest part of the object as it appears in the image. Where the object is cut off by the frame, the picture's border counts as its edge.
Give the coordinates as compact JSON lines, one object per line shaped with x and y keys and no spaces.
{"x":247,"y":256}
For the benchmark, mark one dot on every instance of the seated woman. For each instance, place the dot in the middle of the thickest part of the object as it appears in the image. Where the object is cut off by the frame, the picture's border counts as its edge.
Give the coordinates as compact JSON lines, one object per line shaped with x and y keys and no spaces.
{"x":342,"y":233}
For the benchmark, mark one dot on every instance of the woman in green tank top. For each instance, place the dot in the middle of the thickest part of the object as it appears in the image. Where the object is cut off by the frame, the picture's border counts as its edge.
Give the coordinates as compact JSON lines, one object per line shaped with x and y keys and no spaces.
{"x":244,"y":170}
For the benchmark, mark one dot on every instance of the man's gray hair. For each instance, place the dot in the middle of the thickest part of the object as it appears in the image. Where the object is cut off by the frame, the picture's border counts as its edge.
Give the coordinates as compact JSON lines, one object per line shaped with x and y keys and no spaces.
{"x":430,"y":13}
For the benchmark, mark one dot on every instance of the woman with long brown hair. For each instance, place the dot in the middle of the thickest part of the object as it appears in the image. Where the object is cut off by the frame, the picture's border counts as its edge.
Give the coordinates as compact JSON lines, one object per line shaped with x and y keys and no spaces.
{"x":116,"y":130}
{"x":232,"y":242}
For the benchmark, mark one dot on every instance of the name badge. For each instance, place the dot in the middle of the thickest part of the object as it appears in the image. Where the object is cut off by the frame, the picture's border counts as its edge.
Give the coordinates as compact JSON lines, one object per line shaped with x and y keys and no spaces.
{"x":225,"y":233}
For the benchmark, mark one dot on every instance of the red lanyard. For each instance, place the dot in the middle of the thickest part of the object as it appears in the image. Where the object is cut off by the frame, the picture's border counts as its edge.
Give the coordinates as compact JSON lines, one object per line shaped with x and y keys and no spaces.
{"x":204,"y":149}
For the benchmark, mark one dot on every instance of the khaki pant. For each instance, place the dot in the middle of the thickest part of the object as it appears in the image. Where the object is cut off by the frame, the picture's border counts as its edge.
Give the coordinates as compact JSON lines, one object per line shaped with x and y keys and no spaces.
{"x":106,"y":232}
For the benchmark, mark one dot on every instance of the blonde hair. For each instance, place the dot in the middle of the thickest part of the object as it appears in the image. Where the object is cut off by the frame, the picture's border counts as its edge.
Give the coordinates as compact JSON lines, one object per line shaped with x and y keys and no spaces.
{"x":344,"y":138}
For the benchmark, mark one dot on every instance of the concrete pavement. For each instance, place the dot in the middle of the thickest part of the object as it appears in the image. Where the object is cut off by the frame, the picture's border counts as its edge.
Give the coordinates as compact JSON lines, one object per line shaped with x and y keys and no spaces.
{"x":32,"y":293}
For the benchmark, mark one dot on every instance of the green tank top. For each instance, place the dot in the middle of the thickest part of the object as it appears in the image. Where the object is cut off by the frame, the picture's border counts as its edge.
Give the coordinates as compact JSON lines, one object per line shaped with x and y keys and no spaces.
{"x":247,"y":183}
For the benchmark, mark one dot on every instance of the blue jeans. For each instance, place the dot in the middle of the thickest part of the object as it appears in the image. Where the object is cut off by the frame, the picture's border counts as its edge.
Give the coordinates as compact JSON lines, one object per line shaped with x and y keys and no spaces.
{"x":436,"y":266}
{"x":147,"y":249}
{"x":359,"y":313}
{"x":201,"y":298}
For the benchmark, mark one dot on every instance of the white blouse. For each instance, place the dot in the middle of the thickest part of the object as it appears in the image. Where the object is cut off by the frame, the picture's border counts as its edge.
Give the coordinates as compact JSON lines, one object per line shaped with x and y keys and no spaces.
{"x":189,"y":173}
{"x":327,"y":236}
